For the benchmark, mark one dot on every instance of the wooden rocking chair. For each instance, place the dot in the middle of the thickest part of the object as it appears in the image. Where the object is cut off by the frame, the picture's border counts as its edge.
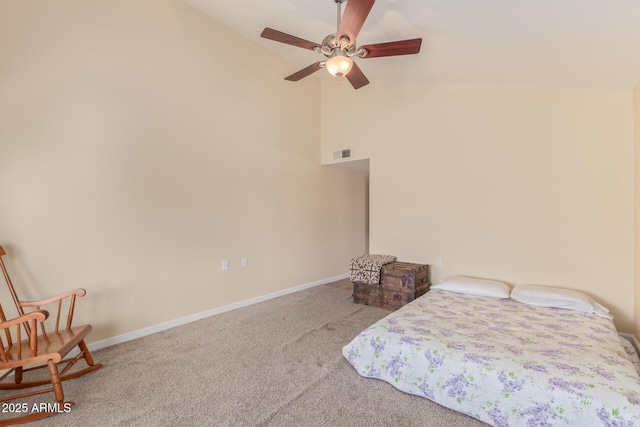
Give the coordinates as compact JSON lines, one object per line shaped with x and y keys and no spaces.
{"x":40,"y":349}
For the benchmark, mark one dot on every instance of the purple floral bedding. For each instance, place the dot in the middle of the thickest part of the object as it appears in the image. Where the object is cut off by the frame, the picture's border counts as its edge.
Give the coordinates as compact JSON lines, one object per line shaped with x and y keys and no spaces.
{"x":503,"y":362}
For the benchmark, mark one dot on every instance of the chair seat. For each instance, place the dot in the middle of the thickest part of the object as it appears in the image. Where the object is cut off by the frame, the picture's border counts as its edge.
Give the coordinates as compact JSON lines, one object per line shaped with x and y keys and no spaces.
{"x":52,"y":347}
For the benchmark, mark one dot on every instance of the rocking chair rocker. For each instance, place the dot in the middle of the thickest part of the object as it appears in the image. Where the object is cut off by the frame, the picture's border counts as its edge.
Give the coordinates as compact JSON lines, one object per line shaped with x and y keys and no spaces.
{"x":40,"y":349}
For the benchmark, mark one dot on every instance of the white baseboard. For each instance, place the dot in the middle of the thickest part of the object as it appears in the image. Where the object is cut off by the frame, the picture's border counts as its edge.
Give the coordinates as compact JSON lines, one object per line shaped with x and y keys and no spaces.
{"x":193,"y":317}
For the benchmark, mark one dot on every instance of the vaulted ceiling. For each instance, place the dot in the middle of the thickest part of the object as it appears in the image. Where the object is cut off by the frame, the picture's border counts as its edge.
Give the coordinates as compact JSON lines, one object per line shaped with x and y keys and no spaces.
{"x":575,"y":43}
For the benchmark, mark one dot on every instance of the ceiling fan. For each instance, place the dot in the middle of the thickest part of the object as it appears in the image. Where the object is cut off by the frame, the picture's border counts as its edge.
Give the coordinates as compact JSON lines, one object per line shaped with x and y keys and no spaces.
{"x":340,"y":47}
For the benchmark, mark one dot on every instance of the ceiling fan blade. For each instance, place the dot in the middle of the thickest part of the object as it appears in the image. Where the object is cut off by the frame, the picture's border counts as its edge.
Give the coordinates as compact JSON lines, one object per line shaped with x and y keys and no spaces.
{"x":279,"y":36}
{"x":354,"y":16}
{"x":403,"y":47}
{"x":304,"y":72}
{"x":356,"y":77}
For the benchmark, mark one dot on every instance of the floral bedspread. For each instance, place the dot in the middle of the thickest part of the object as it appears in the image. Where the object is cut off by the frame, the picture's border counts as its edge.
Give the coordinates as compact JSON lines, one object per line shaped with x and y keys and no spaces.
{"x":503,"y":362}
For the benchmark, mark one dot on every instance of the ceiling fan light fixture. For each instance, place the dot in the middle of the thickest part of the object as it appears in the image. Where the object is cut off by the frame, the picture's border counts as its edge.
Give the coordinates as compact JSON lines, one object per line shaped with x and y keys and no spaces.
{"x":339,"y":66}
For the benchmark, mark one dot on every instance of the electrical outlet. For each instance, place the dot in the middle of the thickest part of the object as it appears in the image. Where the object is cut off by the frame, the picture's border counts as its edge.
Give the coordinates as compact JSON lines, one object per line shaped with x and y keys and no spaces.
{"x":225,"y":265}
{"x":438,"y":262}
{"x":244,"y":261}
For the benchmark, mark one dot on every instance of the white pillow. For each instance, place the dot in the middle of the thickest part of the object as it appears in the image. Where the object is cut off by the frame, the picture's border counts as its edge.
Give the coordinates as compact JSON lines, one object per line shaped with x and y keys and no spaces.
{"x":473,"y":286}
{"x":547,"y":296}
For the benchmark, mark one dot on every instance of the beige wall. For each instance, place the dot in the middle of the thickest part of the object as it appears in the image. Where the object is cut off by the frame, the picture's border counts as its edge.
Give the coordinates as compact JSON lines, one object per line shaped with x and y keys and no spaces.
{"x":141,"y":143}
{"x":522,"y":184}
{"x":636,"y":116}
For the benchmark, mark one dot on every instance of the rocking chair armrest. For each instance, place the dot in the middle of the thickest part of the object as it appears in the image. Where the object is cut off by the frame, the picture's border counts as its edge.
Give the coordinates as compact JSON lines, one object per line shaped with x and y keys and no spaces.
{"x":39,"y":316}
{"x":29,"y":322}
{"x":78,"y":292}
{"x":69,"y":300}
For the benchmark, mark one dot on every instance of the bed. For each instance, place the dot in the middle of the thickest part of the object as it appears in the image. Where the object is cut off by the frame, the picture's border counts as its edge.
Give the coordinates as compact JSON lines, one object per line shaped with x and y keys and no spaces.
{"x":503,"y":362}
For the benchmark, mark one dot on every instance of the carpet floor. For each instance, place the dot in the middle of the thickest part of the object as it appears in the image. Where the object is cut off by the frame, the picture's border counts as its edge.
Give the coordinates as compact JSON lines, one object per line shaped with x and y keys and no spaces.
{"x":276,"y":363}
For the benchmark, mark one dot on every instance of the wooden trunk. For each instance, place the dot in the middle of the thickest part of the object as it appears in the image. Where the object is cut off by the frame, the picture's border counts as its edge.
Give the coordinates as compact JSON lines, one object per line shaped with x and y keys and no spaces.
{"x":400,"y":283}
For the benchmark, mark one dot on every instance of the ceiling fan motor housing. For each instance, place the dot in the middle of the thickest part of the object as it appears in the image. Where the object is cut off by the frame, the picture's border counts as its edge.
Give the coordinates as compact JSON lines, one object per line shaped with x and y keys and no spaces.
{"x":331,"y":46}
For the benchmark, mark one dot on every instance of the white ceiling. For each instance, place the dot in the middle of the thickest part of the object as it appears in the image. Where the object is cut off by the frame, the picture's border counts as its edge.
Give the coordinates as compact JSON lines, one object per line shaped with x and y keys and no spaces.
{"x":576,"y":43}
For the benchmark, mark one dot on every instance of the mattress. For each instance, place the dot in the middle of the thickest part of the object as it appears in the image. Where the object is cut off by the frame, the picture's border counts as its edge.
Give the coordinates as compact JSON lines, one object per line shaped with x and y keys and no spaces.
{"x":503,"y":362}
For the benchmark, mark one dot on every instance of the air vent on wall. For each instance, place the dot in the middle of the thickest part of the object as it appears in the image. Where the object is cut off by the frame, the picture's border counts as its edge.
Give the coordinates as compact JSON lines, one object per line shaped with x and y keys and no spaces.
{"x":342,"y":154}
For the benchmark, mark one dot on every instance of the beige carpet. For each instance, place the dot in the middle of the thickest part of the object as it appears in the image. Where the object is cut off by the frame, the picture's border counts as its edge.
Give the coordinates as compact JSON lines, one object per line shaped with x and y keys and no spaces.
{"x":277,"y":363}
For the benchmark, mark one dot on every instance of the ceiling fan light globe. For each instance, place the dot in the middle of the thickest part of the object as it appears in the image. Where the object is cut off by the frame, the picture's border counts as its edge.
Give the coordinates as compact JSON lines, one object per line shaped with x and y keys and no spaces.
{"x":339,"y":66}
